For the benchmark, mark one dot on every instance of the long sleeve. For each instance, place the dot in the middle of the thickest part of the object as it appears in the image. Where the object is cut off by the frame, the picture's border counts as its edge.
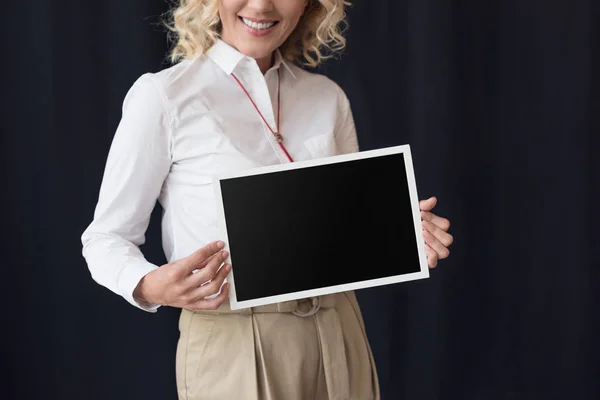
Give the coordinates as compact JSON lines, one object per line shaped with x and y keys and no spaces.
{"x":139,"y":159}
{"x":346,"y":139}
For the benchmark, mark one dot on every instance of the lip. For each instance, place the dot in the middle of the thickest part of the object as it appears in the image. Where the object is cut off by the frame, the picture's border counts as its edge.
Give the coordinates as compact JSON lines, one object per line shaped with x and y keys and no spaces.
{"x":256,"y":32}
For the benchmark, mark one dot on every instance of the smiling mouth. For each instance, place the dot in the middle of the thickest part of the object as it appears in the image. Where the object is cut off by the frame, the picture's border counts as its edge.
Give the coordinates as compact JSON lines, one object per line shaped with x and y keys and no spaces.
{"x":259,"y":26}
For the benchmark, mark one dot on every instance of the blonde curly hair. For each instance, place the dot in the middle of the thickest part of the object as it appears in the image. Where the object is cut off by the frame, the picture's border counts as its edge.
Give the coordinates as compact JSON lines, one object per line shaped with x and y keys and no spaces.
{"x":194,"y":26}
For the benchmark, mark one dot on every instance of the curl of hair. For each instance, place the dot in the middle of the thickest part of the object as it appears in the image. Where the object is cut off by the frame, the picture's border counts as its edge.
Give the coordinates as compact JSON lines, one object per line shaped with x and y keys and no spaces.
{"x":194,"y":26}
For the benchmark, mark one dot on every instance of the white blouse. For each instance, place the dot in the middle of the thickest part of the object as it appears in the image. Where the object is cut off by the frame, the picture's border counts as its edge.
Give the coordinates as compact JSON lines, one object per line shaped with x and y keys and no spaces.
{"x":185,"y":123}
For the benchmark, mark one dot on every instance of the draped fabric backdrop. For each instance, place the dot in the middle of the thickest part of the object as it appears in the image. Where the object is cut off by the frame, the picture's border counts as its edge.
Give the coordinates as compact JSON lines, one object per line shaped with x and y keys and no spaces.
{"x":500,"y":101}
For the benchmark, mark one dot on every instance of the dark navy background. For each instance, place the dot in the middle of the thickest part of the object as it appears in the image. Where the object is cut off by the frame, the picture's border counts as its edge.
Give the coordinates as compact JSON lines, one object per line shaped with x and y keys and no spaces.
{"x":500,"y":103}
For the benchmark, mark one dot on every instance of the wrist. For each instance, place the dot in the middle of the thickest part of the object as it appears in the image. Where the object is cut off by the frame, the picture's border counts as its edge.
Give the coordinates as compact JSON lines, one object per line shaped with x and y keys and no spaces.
{"x":140,"y":292}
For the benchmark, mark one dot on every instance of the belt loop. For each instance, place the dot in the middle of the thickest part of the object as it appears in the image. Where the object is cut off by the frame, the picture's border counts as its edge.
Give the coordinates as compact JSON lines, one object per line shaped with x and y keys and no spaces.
{"x":316,"y":305}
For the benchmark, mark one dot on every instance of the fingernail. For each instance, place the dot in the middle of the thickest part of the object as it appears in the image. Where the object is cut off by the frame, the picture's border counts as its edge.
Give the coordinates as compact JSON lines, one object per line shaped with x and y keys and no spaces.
{"x":228,"y":267}
{"x":225,"y":254}
{"x":220,"y":244}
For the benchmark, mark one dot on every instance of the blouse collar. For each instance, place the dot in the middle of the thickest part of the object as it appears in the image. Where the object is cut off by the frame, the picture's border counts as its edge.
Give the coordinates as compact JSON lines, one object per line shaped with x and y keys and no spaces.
{"x":227,"y":58}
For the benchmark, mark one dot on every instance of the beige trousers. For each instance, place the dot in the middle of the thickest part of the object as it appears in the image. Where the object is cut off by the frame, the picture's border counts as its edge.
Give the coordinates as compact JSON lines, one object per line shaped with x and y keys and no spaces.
{"x":271,"y":353}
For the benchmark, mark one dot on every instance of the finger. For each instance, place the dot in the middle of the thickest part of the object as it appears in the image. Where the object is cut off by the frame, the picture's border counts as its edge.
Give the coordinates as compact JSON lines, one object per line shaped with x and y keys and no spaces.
{"x":436,"y":245}
{"x":212,"y":287}
{"x":428,"y":204}
{"x":432,"y":257}
{"x":444,"y":237}
{"x":205,"y":262}
{"x":212,"y":303}
{"x":440,"y":222}
{"x":192,"y":261}
{"x":208,"y":272}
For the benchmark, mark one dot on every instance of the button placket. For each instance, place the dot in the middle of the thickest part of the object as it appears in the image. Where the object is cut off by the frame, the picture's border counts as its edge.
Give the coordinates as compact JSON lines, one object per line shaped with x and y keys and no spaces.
{"x":267,"y":107}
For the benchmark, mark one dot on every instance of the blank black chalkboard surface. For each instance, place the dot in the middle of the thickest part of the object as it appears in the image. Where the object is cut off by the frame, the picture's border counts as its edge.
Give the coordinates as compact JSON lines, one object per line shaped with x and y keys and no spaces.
{"x":321,"y":226}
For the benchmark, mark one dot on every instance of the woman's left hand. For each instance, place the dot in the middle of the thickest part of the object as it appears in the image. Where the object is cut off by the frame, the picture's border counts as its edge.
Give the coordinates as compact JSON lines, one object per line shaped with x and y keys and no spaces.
{"x":435,"y":233}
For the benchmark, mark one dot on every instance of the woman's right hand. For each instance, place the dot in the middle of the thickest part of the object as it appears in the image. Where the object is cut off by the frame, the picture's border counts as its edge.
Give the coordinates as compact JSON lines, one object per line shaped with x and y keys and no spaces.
{"x":176,"y":285}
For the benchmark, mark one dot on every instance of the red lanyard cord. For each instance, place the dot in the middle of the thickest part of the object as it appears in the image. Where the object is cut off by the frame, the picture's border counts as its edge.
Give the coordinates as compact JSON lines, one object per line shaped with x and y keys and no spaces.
{"x":277,"y":135}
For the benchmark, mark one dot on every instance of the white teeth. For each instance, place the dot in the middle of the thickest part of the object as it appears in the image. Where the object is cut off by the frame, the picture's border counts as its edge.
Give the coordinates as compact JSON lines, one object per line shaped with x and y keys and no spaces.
{"x":258,"y":26}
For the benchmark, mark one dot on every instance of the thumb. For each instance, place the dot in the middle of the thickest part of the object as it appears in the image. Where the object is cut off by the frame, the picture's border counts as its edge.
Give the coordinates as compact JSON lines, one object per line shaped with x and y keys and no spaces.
{"x":428,"y":204}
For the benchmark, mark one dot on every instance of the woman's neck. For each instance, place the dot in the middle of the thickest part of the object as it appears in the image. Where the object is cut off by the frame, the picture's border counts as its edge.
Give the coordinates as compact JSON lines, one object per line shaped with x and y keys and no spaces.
{"x":265,"y":63}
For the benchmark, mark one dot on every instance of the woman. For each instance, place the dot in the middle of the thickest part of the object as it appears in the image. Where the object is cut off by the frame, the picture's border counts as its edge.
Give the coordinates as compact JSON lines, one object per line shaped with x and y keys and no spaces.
{"x":234,"y":98}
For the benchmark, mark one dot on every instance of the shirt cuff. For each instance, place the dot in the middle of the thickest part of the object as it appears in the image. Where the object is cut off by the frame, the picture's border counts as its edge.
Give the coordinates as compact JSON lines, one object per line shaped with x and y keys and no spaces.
{"x":130,"y":277}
